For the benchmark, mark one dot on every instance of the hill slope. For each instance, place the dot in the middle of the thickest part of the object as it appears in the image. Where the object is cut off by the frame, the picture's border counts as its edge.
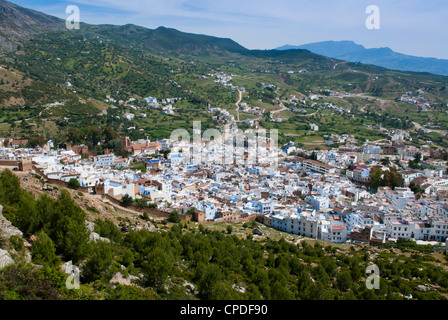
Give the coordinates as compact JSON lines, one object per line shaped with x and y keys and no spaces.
{"x":18,"y":24}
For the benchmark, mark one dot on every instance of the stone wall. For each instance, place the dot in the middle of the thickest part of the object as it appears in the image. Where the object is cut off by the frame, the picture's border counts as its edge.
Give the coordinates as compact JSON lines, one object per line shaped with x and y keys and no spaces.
{"x":155,"y":212}
{"x":9,"y":163}
{"x":60,"y":182}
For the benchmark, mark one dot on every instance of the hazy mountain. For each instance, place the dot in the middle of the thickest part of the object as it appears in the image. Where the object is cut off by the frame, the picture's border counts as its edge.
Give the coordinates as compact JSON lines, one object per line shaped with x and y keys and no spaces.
{"x":383,"y":57}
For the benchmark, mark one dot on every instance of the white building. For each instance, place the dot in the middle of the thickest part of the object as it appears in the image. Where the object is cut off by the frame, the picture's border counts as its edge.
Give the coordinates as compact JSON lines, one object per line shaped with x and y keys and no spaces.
{"x":332,"y":231}
{"x":319,"y":203}
{"x":209,"y":208}
{"x":372,"y":149}
{"x":360,"y":220}
{"x":104,"y":160}
{"x":259,"y":207}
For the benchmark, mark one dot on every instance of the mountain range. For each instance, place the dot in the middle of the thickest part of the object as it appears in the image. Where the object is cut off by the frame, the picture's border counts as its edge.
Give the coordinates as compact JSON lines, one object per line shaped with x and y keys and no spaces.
{"x":383,"y":57}
{"x":18,"y":24}
{"x":72,"y":78}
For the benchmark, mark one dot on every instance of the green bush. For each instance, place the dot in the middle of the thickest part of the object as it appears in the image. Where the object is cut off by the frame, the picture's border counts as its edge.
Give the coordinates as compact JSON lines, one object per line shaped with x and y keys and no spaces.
{"x":74,"y":183}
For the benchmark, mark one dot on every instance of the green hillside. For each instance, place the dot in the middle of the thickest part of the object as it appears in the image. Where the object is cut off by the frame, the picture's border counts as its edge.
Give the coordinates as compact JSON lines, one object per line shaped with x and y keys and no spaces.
{"x":121,"y":62}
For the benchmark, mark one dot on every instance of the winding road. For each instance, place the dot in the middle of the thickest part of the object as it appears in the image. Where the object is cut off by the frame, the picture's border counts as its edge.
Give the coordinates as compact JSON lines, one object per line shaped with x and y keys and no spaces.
{"x":238,"y":104}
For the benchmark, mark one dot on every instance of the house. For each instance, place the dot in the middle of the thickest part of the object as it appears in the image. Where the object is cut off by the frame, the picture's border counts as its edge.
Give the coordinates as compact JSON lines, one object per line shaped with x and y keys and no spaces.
{"x":260,"y":207}
{"x":104,"y":160}
{"x":361,"y":175}
{"x":317,"y":166}
{"x":372,"y":149}
{"x":409,"y":175}
{"x":335,"y":232}
{"x":18,"y":143}
{"x":175,"y":159}
{"x":319,"y":203}
{"x":359,"y":220}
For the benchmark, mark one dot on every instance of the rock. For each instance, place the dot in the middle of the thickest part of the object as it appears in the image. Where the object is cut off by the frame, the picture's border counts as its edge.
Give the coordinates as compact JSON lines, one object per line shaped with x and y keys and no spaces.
{"x":5,"y":259}
{"x":120,"y":279}
{"x":422,"y":288}
{"x":6,"y":228}
{"x":257,"y":231}
{"x":239,"y":288}
{"x":190,"y":287}
{"x":150,"y":227}
{"x":94,"y":237}
{"x":104,"y":239}
{"x":90,"y":226}
{"x":69,"y":268}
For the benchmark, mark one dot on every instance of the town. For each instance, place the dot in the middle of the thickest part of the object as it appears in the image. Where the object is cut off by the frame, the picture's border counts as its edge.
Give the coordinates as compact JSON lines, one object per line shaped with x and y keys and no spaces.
{"x":378,"y":192}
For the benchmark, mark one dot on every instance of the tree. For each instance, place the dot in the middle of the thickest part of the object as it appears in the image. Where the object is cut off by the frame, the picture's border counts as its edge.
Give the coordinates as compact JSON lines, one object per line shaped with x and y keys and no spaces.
{"x":127,"y":200}
{"x":45,"y":208}
{"x":107,"y":229}
{"x":165,"y":152}
{"x":27,"y":219}
{"x":98,"y":263}
{"x":415,"y":164}
{"x":279,"y":292}
{"x":74,"y":135}
{"x":210,"y":277}
{"x":44,"y":251}
{"x":40,"y":141}
{"x":385,"y":161}
{"x":375,"y":176}
{"x":141,"y":203}
{"x":158,"y":266}
{"x":74,"y":183}
{"x":344,"y":281}
{"x":94,"y":135}
{"x":66,"y":227}
{"x":415,"y":187}
{"x":174,"y":217}
{"x":9,"y":188}
{"x":392,"y":178}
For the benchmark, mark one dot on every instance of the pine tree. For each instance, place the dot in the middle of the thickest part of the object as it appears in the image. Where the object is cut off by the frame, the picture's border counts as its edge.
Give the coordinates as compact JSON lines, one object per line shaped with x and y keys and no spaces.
{"x":158,"y":266}
{"x":44,"y":251}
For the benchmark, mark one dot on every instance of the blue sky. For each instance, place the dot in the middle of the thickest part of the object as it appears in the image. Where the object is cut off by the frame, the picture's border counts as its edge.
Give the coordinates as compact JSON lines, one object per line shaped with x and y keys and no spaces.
{"x":416,"y":27}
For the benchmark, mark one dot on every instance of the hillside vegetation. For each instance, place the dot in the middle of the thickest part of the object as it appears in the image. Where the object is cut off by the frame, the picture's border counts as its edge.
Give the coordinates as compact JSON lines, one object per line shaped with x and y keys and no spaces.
{"x":191,"y":261}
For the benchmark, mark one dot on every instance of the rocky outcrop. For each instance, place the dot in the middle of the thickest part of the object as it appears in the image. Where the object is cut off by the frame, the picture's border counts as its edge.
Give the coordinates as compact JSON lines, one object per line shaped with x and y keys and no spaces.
{"x":5,"y":259}
{"x":94,"y":237}
{"x":422,"y":288}
{"x":120,"y":279}
{"x":257,"y":231}
{"x":6,"y":228}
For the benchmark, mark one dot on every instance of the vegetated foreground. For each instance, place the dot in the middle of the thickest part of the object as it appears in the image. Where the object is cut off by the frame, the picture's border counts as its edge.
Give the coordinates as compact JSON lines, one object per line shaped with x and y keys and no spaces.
{"x":190,"y":261}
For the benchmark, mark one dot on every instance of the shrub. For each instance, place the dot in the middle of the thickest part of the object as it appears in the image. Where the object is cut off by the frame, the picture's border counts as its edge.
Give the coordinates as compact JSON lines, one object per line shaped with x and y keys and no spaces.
{"x":74,"y":183}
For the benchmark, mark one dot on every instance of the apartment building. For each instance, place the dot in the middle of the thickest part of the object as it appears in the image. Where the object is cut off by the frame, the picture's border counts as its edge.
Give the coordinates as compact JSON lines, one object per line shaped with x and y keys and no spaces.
{"x":317,"y":166}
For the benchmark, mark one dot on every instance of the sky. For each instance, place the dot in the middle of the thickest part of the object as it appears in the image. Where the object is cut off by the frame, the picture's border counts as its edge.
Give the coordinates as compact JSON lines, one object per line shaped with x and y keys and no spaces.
{"x":414,"y":27}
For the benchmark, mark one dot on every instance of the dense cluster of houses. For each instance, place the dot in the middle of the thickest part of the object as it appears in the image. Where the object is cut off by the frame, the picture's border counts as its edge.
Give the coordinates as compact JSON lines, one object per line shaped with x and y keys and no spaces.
{"x":320,"y":194}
